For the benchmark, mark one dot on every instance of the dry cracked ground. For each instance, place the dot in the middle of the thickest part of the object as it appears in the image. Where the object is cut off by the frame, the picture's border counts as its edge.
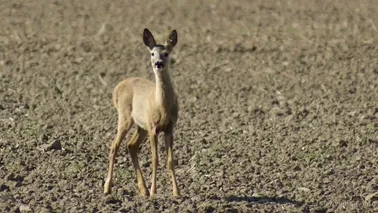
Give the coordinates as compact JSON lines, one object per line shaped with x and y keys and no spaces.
{"x":278,"y":105}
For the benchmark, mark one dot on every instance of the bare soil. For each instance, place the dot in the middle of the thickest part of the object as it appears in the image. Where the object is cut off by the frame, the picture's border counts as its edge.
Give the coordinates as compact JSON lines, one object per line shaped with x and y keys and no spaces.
{"x":278,"y":105}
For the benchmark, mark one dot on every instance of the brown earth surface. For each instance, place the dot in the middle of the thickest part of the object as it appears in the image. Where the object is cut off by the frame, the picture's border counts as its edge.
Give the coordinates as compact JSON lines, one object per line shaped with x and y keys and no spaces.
{"x":278,"y":105}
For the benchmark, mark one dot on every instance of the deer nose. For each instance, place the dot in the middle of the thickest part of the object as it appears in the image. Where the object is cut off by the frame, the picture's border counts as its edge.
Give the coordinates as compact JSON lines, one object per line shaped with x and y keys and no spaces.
{"x":159,"y":64}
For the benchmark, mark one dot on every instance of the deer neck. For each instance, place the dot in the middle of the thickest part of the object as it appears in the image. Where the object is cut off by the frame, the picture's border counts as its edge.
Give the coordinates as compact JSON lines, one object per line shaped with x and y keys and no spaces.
{"x":164,"y":89}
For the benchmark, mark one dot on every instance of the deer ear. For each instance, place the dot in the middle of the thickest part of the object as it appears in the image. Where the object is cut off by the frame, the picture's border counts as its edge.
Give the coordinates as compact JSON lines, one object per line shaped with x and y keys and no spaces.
{"x":148,"y":39}
{"x":172,"y":41}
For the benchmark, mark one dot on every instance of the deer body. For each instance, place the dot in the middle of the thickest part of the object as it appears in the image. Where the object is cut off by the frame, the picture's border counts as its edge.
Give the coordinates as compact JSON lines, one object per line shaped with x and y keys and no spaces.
{"x":153,"y":108}
{"x":158,"y":110}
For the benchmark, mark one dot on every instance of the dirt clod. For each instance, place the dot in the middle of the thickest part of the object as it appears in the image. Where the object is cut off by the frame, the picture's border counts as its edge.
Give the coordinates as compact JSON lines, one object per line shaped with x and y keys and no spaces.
{"x":4,"y":187}
{"x":14,"y":177}
{"x":372,"y":197}
{"x":53,"y":145}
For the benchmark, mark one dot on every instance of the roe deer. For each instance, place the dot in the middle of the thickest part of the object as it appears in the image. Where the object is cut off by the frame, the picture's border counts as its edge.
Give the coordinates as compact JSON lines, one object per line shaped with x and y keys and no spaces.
{"x":153,"y":108}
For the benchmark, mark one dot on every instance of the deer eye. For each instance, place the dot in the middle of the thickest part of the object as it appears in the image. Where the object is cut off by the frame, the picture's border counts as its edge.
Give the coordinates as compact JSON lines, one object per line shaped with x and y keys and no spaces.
{"x":166,"y":54}
{"x":152,"y":54}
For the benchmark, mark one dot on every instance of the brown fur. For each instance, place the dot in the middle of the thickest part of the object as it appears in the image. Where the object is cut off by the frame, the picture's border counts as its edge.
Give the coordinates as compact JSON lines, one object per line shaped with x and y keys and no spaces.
{"x":153,"y":108}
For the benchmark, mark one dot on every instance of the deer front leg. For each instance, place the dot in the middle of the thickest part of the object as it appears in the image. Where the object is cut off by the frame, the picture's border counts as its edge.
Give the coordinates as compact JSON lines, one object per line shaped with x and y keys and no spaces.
{"x":168,"y":136}
{"x":154,"y":152}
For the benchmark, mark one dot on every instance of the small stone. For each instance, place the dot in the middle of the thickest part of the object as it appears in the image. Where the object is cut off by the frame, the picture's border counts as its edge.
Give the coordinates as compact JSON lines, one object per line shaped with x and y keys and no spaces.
{"x":78,"y":60}
{"x":44,"y":210}
{"x":25,"y":208}
{"x":304,"y":189}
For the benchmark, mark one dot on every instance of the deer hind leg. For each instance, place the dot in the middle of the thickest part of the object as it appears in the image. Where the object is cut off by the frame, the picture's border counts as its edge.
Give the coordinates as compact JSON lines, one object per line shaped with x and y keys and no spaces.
{"x":133,"y":146}
{"x":170,"y":161}
{"x":124,"y":125}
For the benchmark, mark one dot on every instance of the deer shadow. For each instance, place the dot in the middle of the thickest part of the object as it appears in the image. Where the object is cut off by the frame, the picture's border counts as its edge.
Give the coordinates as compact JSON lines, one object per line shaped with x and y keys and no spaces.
{"x":261,"y":200}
